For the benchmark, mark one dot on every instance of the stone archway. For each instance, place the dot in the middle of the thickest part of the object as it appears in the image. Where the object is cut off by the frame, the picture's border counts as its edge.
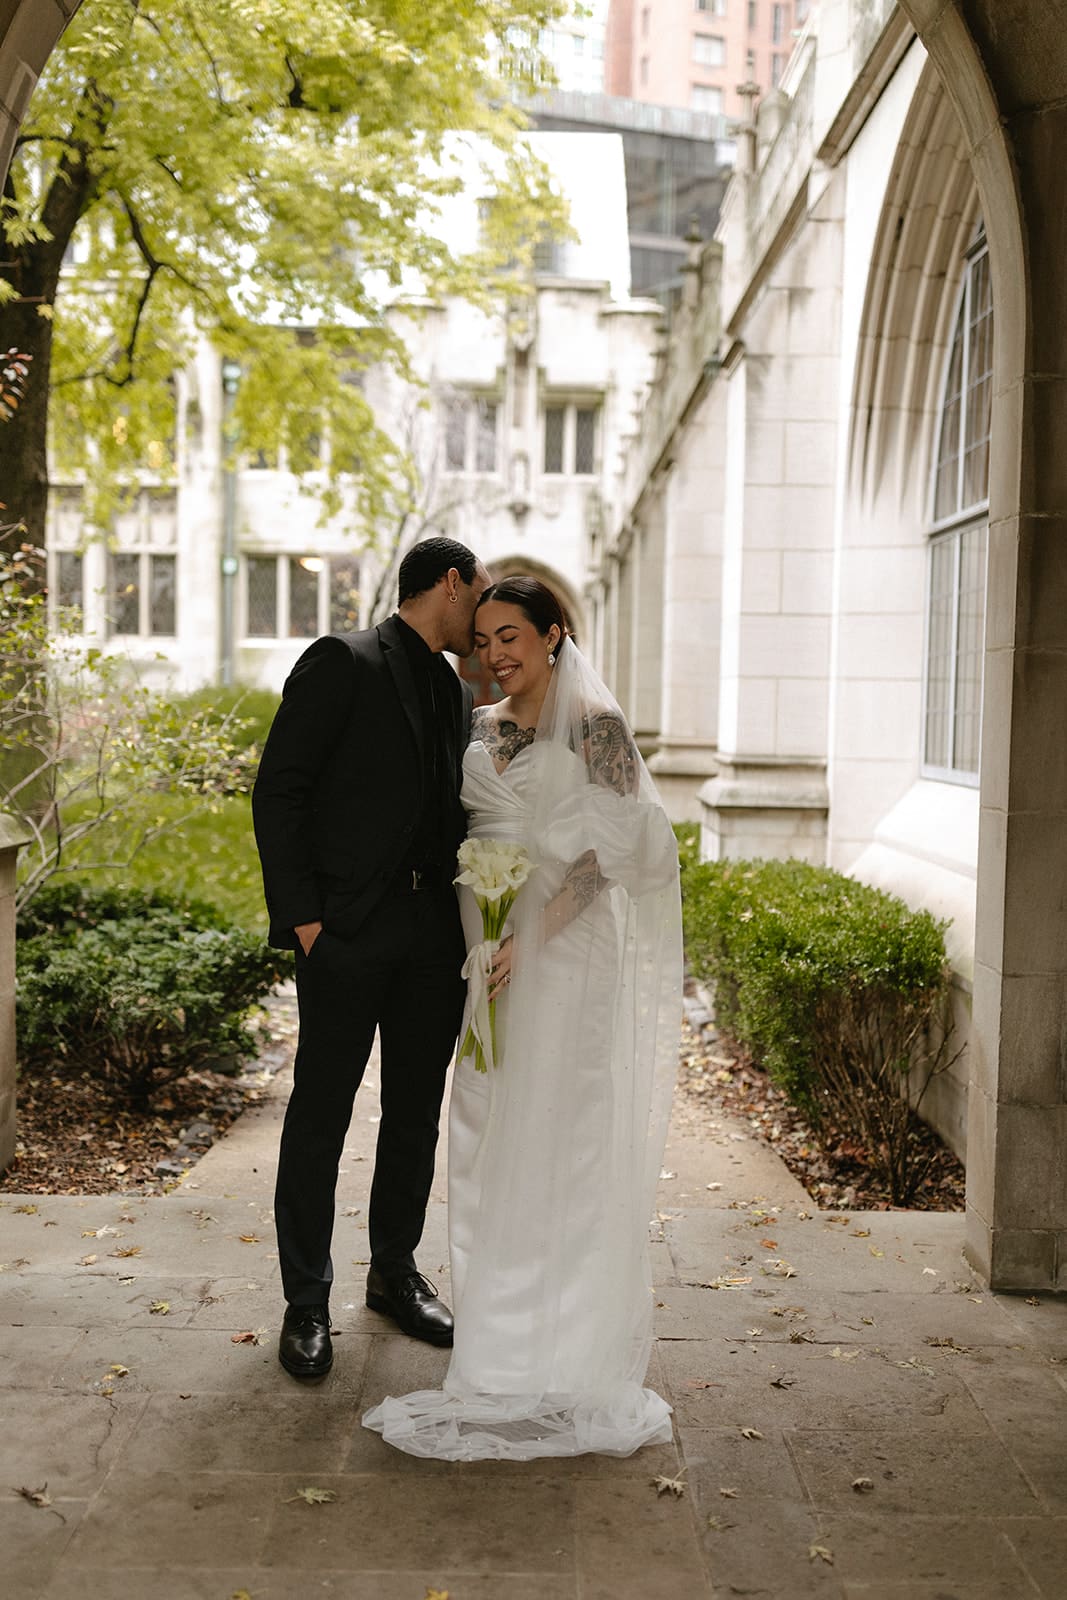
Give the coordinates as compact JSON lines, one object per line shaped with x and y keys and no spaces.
{"x":1004,"y":68}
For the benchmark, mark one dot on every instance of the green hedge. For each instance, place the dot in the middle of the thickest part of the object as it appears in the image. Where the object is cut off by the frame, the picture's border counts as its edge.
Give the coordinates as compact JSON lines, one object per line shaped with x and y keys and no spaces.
{"x":136,"y":987}
{"x":838,"y":989}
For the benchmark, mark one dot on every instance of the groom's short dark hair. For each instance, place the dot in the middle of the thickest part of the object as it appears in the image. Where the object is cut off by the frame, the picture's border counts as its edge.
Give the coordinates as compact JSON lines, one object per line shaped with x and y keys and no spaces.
{"x":427,"y":562}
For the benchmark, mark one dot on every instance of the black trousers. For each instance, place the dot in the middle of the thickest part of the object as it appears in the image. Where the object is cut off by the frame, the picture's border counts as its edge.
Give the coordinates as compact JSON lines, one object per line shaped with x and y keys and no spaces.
{"x":401,"y":975}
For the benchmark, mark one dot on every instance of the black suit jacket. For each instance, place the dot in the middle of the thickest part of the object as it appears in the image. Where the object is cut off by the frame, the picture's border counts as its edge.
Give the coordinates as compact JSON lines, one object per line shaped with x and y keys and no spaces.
{"x":339,"y":790}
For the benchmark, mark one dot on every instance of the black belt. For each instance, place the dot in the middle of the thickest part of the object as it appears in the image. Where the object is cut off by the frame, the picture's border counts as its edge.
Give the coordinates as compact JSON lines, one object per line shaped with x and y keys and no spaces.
{"x":411,"y":879}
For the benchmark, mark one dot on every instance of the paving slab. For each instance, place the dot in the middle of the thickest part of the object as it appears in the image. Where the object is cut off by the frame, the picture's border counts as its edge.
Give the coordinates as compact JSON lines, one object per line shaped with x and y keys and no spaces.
{"x":855,"y":1344}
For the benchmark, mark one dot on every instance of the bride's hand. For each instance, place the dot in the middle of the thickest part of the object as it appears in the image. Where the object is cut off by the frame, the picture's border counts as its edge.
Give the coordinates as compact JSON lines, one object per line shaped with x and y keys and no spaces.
{"x":501,"y":968}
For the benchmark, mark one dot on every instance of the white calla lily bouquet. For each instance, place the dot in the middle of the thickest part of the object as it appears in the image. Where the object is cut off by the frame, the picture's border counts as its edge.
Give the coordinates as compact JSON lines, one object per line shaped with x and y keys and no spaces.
{"x":494,"y":871}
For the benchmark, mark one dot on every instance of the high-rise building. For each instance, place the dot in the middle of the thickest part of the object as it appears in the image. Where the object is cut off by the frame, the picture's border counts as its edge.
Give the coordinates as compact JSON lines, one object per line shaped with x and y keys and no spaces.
{"x":574,"y":44}
{"x":696,"y":53}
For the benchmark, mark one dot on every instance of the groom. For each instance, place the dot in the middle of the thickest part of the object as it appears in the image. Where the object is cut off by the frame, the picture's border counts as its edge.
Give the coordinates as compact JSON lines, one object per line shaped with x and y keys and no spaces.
{"x":357,"y":818}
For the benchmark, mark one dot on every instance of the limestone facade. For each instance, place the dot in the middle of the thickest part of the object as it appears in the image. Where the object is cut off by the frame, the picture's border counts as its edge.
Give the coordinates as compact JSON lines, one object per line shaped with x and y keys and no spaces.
{"x":784,"y":484}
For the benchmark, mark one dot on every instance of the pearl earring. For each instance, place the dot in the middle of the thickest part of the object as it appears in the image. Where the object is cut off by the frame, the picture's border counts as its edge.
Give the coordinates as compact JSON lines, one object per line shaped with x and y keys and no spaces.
{"x":551,"y":658}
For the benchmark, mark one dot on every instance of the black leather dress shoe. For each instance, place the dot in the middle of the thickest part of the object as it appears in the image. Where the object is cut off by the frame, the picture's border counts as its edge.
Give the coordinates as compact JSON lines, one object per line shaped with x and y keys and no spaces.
{"x":304,"y":1348}
{"x":413,"y":1304}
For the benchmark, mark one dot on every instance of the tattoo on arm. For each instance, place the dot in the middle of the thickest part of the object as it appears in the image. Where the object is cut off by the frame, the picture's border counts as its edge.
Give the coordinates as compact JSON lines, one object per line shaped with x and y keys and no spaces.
{"x":584,"y":880}
{"x":610,"y":752}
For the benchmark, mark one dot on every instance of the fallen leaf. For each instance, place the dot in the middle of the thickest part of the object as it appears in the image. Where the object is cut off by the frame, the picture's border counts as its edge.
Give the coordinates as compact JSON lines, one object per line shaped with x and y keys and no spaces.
{"x":87,"y":1261}
{"x":769,"y":1244}
{"x":717,"y":1525}
{"x":819,"y":1552}
{"x":241,"y":1594}
{"x":126,"y":1250}
{"x":350,"y":1211}
{"x":860,"y":1233}
{"x":714,"y":1186}
{"x":249,"y":1238}
{"x":437,"y":1594}
{"x":119,"y":1370}
{"x":802,"y":1336}
{"x":837,"y":1354}
{"x":665,"y":1485}
{"x":160,"y":1308}
{"x":783,"y":1382}
{"x":729,"y":1494}
{"x":873,"y":1248}
{"x":705,"y":1383}
{"x":41,"y":1499}
{"x":779,"y":1269}
{"x":755,"y":1333}
{"x":1031,"y":1299}
{"x":863,"y":1485}
{"x":917,"y":1366}
{"x":931,"y":1272}
{"x":751,"y":1433}
{"x":313,"y":1497}
{"x":946,"y":1343}
{"x":26,"y":1211}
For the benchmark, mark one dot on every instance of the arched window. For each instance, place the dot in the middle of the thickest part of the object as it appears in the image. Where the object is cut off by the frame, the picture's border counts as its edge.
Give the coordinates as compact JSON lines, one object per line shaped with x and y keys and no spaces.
{"x":955,"y":631}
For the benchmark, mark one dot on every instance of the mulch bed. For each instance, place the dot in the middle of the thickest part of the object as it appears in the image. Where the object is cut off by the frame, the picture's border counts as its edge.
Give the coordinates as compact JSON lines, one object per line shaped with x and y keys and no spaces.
{"x":74,"y":1139}
{"x":718,"y":1078}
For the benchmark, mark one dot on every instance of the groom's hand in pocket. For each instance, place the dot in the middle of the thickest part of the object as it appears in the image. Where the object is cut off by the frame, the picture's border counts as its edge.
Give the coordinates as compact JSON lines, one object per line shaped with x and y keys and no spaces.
{"x":307,"y":933}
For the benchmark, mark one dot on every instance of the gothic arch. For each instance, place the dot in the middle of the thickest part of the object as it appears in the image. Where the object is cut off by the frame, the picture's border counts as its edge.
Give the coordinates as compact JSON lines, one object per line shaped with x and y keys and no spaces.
{"x":929,"y":215}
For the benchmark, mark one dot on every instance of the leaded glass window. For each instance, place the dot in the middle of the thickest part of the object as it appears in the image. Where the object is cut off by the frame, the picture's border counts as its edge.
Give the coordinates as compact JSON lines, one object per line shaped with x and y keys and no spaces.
{"x":125,"y":593}
{"x":261,"y":577}
{"x":555,"y":417}
{"x":162,"y":586}
{"x":70,"y":580}
{"x":304,"y":596}
{"x":585,"y":439}
{"x":955,"y":633}
{"x":344,"y":595}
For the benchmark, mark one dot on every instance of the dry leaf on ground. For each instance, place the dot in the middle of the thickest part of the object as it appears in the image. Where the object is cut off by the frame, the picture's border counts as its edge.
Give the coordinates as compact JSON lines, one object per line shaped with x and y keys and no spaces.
{"x":819,"y":1552}
{"x":729,"y":1494}
{"x":751,"y":1433}
{"x":664,"y":1485}
{"x":159,"y":1308}
{"x":863,"y":1485}
{"x":40,"y":1498}
{"x":313,"y":1497}
{"x":783,"y":1382}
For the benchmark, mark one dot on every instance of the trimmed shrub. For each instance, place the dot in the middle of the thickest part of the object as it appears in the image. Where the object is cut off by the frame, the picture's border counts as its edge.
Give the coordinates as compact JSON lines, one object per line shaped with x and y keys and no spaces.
{"x":838,"y":989}
{"x":136,"y":988}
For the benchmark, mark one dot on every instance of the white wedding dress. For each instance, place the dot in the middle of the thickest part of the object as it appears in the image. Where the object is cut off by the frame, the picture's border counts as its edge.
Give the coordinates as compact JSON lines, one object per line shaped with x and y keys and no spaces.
{"x":554,"y":1153}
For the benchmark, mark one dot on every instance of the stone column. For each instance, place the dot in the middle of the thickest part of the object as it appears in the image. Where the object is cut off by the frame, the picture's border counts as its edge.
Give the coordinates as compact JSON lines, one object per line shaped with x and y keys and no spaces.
{"x":12,"y":838}
{"x":1017,"y":1113}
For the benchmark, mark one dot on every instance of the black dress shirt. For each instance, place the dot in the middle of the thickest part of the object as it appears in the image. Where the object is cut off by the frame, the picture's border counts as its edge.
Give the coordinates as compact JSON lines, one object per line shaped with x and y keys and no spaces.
{"x":428,"y":845}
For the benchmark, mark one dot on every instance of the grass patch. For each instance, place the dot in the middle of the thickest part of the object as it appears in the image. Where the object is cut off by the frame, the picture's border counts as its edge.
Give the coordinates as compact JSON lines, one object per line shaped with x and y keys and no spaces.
{"x":209,"y":854}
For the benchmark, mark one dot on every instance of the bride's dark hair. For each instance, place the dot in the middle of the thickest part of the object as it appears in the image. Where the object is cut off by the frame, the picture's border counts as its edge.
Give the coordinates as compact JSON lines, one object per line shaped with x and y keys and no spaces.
{"x":535,"y":600}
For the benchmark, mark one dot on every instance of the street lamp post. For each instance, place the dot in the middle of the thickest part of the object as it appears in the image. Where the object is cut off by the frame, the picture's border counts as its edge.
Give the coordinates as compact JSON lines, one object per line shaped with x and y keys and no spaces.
{"x":231,"y":378}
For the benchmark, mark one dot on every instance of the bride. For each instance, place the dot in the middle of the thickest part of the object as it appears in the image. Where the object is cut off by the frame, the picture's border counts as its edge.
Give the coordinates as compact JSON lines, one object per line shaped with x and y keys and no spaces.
{"x":554,"y":1151}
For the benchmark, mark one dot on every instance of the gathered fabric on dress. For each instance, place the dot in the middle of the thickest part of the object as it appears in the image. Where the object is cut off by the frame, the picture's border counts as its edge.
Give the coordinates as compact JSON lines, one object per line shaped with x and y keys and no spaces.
{"x":554,"y":1154}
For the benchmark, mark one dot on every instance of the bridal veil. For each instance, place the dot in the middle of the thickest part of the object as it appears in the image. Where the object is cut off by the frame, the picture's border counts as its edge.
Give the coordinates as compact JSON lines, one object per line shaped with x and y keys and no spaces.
{"x":555,"y":1153}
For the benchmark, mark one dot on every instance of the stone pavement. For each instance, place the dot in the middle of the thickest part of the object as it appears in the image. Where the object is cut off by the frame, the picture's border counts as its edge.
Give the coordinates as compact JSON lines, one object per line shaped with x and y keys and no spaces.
{"x":856,"y":1418}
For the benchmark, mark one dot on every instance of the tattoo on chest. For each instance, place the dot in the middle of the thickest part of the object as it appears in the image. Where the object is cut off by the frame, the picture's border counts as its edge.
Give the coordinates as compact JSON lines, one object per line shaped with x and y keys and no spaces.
{"x":502,"y":739}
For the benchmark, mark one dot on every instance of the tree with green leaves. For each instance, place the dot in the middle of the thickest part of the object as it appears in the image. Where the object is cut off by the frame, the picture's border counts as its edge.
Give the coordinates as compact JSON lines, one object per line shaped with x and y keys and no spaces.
{"x":265,"y":172}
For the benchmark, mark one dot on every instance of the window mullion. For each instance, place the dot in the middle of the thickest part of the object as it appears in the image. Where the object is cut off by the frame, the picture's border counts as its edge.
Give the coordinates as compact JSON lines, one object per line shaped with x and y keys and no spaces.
{"x":965,"y":375}
{"x":283,"y":597}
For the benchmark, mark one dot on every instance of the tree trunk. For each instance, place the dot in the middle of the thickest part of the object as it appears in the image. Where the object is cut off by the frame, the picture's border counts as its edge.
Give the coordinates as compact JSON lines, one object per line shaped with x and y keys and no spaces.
{"x":33,"y":270}
{"x":24,"y":438}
